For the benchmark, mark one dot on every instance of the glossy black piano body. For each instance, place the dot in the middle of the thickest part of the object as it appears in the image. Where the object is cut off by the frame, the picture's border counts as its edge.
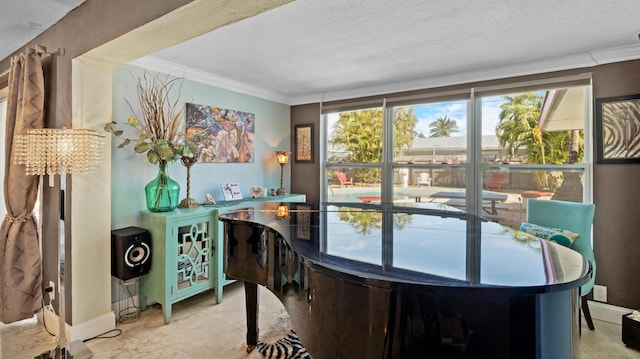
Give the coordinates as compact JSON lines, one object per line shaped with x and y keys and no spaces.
{"x":424,"y":282}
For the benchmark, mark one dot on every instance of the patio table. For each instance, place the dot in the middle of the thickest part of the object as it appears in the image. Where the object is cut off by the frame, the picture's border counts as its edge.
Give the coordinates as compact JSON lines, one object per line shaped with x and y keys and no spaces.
{"x":493,"y":197}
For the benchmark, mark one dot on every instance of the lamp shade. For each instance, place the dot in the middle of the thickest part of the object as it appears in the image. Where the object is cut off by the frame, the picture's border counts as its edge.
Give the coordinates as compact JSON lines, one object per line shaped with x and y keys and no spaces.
{"x":282,"y":212}
{"x":282,"y":157}
{"x":54,"y":151}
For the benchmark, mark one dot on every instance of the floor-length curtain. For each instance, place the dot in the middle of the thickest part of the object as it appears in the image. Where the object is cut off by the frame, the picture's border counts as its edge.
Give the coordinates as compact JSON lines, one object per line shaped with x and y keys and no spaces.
{"x":20,"y":262}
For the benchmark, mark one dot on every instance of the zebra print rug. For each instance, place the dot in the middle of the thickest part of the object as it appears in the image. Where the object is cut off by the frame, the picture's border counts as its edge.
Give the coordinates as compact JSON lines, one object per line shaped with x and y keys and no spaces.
{"x":288,"y":347}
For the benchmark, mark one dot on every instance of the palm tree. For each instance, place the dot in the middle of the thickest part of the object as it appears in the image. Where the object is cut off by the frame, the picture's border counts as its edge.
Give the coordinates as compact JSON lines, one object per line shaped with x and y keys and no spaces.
{"x":443,"y":127}
{"x":360,"y":133}
{"x":404,"y":124}
{"x":518,"y":129}
{"x":518,"y":126}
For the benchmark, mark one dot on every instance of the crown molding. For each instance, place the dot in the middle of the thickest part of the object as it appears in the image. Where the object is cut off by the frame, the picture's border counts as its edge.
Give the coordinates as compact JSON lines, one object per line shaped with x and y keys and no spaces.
{"x":616,"y":54}
{"x":174,"y":69}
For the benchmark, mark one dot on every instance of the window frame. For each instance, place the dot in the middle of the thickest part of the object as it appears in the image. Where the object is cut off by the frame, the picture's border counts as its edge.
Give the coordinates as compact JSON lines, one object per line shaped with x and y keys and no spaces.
{"x":474,"y":166}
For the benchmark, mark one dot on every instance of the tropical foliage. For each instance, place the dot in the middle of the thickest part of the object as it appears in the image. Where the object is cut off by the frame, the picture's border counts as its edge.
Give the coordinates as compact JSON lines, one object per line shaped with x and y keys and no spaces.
{"x":364,"y":222}
{"x":360,"y":133}
{"x":443,"y":127}
{"x":518,"y":129}
{"x":404,"y":124}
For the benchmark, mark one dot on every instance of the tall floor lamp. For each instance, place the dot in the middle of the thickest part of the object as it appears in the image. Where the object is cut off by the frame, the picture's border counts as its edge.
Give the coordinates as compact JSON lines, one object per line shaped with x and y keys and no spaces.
{"x":53,"y":152}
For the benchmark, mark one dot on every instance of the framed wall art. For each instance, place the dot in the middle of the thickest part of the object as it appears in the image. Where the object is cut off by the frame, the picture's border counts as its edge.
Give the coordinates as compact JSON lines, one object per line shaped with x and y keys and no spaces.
{"x":617,"y":132}
{"x":304,"y":143}
{"x":223,"y":135}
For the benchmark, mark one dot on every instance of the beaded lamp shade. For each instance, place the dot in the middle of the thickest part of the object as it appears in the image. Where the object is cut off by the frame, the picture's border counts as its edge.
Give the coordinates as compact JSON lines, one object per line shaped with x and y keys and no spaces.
{"x":54,"y":151}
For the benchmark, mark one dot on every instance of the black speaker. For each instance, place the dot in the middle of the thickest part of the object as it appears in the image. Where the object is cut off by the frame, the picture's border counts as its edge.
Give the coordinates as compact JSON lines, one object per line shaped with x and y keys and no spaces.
{"x":130,"y":252}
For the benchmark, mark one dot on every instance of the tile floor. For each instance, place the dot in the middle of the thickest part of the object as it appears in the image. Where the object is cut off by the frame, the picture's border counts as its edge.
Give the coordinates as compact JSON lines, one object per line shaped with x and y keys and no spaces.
{"x":201,"y":329}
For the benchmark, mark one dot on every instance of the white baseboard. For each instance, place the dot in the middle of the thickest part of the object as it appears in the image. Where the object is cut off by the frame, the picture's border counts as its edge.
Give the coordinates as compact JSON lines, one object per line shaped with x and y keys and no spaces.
{"x":607,"y":312}
{"x":81,"y":331}
{"x":91,"y":328}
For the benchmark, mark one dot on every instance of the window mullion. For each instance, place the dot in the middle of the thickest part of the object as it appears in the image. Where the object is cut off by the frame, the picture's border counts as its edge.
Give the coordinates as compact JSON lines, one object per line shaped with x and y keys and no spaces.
{"x":387,"y":154}
{"x":474,"y":154}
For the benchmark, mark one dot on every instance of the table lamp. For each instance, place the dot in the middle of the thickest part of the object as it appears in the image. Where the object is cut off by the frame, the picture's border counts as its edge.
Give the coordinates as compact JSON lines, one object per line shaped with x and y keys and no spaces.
{"x":50,"y":151}
{"x":283,"y":159}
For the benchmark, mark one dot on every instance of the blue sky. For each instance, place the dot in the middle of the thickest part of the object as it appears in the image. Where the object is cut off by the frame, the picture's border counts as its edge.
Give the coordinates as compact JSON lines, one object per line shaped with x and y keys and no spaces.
{"x":457,"y":111}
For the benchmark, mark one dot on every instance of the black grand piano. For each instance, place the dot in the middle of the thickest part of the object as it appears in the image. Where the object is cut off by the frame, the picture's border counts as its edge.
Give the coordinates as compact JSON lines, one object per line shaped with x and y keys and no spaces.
{"x":426,"y":281}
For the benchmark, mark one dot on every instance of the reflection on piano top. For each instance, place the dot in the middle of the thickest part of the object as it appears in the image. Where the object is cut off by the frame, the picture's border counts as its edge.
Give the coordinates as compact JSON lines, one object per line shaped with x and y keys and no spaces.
{"x":429,"y":244}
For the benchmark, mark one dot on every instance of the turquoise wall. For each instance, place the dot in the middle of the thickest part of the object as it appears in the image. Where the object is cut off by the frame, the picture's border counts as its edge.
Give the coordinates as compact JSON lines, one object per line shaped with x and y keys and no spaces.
{"x":131,"y":172}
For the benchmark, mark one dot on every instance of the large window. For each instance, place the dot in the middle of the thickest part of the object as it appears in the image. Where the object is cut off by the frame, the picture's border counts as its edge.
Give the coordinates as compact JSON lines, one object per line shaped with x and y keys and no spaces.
{"x":485,"y":150}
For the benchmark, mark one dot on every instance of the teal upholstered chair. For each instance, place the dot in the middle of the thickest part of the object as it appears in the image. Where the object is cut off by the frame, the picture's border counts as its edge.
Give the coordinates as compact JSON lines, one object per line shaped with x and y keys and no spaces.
{"x":575,"y":217}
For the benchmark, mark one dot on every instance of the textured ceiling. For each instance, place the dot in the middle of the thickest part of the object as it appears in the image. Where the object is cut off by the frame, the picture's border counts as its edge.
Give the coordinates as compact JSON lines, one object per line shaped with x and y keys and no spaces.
{"x":23,"y":20}
{"x":313,"y":50}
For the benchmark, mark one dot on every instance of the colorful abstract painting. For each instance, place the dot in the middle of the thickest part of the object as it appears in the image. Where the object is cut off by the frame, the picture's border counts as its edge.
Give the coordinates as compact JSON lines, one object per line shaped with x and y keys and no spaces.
{"x":223,"y":135}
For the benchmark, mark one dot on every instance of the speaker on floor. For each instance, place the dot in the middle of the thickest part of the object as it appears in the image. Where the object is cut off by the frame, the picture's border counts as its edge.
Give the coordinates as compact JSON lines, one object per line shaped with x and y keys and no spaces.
{"x":130,"y":252}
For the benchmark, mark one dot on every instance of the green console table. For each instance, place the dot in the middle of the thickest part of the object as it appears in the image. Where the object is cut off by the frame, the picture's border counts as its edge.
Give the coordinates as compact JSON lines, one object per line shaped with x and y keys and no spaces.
{"x":186,"y":251}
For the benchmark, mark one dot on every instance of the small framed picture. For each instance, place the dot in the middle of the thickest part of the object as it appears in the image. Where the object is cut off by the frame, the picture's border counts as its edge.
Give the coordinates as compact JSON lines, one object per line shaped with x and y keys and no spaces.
{"x":304,"y":143}
{"x":618,"y":129}
{"x":231,"y":191}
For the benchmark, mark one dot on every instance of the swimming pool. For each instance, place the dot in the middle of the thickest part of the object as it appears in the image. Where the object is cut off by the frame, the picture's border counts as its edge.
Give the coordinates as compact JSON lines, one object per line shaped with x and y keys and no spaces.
{"x":352,"y":196}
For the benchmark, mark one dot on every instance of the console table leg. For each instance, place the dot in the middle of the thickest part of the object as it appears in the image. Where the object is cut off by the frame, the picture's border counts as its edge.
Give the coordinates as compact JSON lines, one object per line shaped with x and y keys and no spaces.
{"x":166,"y":311}
{"x":251,"y":301}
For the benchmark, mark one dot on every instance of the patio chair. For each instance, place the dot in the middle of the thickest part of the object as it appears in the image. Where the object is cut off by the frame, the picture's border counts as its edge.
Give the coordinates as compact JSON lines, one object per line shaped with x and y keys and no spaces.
{"x":344,"y":181}
{"x":494,"y":182}
{"x":574,"y":217}
{"x":424,"y":178}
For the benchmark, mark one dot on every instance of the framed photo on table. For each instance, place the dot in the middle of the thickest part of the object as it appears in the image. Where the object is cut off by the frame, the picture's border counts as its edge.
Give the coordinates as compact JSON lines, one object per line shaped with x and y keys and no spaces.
{"x":618,"y":129}
{"x":231,"y":191}
{"x":303,"y":143}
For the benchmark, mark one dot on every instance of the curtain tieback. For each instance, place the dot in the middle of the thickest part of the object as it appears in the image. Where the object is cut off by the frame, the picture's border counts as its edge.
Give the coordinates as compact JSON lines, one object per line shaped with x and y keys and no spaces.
{"x":20,"y":219}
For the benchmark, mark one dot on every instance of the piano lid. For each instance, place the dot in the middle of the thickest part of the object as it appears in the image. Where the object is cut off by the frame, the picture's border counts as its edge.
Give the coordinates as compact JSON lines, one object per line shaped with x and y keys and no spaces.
{"x":429,"y":243}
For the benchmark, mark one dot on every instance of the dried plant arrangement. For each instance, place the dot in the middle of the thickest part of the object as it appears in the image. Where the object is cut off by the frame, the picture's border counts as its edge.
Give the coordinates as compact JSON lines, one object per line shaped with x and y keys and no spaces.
{"x":160,"y":129}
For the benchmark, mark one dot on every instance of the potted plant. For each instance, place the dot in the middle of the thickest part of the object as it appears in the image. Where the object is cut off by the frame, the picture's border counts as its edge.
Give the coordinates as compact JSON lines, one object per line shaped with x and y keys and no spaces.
{"x":161,"y":137}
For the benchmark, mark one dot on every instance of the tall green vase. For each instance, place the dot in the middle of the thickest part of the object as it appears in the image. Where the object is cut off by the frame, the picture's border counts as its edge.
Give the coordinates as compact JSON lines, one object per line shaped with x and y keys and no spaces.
{"x":162,"y":192}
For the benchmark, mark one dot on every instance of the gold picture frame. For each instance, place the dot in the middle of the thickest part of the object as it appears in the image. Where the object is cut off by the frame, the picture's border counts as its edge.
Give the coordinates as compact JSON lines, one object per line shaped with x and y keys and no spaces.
{"x":304,"y":143}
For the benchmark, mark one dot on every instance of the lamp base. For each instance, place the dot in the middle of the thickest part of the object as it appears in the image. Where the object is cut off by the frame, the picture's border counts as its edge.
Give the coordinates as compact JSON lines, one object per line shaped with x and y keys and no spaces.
{"x":188,"y":203}
{"x":57,"y":353}
{"x":77,"y":350}
{"x":280,"y":191}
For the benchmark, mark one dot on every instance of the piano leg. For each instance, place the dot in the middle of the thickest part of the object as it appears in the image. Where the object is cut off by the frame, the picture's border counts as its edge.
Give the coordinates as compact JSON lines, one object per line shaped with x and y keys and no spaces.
{"x":251,"y":302}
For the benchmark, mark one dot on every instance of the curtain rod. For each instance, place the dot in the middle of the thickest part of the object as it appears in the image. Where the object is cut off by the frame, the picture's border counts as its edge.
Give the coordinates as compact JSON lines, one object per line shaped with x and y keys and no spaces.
{"x":41,"y":50}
